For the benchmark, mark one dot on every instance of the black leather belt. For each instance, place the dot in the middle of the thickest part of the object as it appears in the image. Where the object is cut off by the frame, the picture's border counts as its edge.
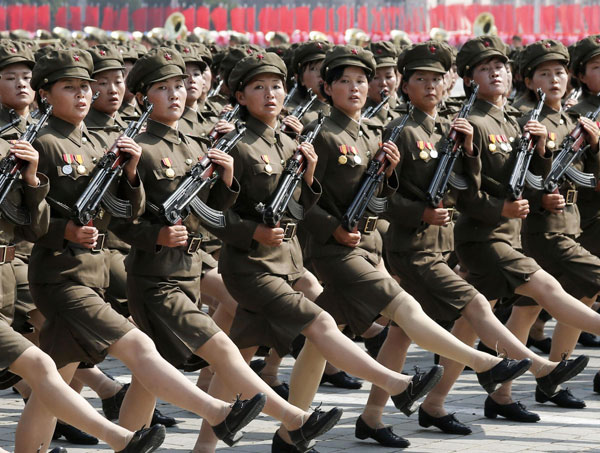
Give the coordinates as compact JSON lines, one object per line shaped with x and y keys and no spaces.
{"x":368,"y":224}
{"x":193,"y":244}
{"x":289,"y":230}
{"x":7,"y":253}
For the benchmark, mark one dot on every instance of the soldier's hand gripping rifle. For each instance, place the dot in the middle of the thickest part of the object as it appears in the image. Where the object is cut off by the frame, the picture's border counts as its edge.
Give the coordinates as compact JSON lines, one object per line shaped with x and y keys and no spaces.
{"x":525,"y":148}
{"x":228,"y":116}
{"x":365,"y":197}
{"x":370,"y":112}
{"x":184,"y":199}
{"x":572,"y":148}
{"x":109,"y":167}
{"x":451,"y":149}
{"x":301,"y":110}
{"x":14,"y":120}
{"x":10,"y":170}
{"x":292,"y":174}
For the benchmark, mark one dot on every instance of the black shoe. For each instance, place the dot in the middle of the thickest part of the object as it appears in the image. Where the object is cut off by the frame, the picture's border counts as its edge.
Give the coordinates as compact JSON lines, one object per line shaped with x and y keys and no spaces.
{"x":160,"y":419}
{"x":374,"y":344}
{"x":73,"y":435}
{"x":507,"y":370}
{"x":317,"y":424}
{"x":280,"y":446}
{"x":420,"y":384}
{"x":258,"y":365}
{"x":448,"y":423}
{"x":341,"y":380}
{"x":513,"y":411}
{"x":146,"y":440}
{"x":541,"y":345}
{"x":58,"y":450}
{"x":597,"y":382}
{"x":112,"y":405}
{"x":562,"y":398}
{"x":8,"y":379}
{"x":283,"y":390}
{"x":383,"y":436}
{"x":481,"y":346}
{"x":242,"y":413}
{"x":589,"y":340}
{"x":565,"y":370}
{"x":193,"y":363}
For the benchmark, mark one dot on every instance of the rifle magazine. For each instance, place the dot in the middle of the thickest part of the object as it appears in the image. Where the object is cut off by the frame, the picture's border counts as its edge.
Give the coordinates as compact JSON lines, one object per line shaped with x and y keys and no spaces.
{"x":117,"y":207}
{"x":295,"y":209}
{"x":580,"y":178}
{"x":19,"y":215}
{"x":534,"y":181}
{"x":458,"y":181}
{"x":210,"y":216}
{"x":378,"y":205}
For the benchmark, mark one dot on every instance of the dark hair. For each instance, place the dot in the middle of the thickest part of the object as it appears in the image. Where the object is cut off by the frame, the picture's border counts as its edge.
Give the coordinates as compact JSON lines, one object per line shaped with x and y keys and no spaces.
{"x":531,"y":96}
{"x":332,"y":76}
{"x":46,"y":87}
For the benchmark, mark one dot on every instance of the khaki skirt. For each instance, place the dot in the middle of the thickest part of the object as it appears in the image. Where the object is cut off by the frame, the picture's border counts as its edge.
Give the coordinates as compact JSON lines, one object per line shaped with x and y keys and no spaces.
{"x":590,"y":238}
{"x":80,"y":325}
{"x":270,"y":312}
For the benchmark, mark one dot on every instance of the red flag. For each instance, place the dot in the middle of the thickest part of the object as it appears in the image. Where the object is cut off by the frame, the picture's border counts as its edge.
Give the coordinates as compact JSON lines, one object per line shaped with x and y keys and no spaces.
{"x":14,"y":17}
{"x":75,"y":18}
{"x":592,"y":17}
{"x":123,"y":23}
{"x":548,"y":19}
{"x":139,"y":18}
{"x":302,"y":18}
{"x":286,"y":20}
{"x":190,"y":17}
{"x":525,"y":19}
{"x":60,"y":20}
{"x":202,"y":17}
{"x":251,"y":19}
{"x":238,"y":19}
{"x":318,"y":19}
{"x":375,"y":24}
{"x":219,"y":18}
{"x":43,"y":17}
{"x":342,"y":14}
{"x":575,"y":22}
{"x":108,"y":18}
{"x":262,"y":20}
{"x":363,"y":19}
{"x":92,"y":16}
{"x":3,"y":17}
{"x":435,"y":16}
{"x":273,"y":19}
{"x":28,"y":17}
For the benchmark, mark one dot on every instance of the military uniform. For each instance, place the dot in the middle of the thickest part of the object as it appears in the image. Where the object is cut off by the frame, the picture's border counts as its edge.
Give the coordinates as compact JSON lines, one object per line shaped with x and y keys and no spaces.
{"x":487,"y":243}
{"x":386,"y":55}
{"x":354,"y":291}
{"x":260,"y":278}
{"x":68,"y":281}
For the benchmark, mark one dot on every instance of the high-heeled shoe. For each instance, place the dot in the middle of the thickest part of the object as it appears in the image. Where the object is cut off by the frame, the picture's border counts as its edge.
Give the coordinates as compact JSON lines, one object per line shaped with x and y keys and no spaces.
{"x":420,"y":384}
{"x":506,"y":370}
{"x":565,"y":370}
{"x":514,"y":411}
{"x":383,"y":436}
{"x":448,"y":423}
{"x":242,"y":413}
{"x":562,"y":398}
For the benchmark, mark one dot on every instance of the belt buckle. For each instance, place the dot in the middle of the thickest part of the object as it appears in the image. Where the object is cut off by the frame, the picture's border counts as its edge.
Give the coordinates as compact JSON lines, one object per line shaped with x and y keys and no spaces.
{"x":3,"y":249}
{"x":370,"y":224}
{"x":451,"y":213}
{"x":193,"y":245}
{"x":99,"y":243}
{"x":571,"y":197}
{"x":289,"y":230}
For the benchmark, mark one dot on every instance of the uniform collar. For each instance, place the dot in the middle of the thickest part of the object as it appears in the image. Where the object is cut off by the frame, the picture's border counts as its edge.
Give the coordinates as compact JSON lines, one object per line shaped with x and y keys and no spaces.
{"x":553,"y":116}
{"x":345,"y":122}
{"x":192,"y":115}
{"x":165,"y":132}
{"x":591,"y":98}
{"x":424,"y":120}
{"x":101,"y":119}
{"x":490,"y":109}
{"x":268,"y":134}
{"x":74,"y":133}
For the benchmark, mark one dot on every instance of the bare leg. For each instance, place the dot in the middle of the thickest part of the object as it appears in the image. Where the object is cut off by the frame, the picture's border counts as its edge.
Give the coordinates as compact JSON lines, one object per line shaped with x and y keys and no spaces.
{"x":565,"y":337}
{"x":99,"y":382}
{"x":270,"y":373}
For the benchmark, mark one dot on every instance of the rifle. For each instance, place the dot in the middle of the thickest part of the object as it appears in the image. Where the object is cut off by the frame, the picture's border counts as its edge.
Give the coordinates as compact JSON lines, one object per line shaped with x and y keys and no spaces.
{"x":228,"y":116}
{"x":370,"y":112}
{"x":572,"y":148}
{"x":521,"y":173}
{"x":108,"y":168}
{"x":301,"y":109}
{"x":184,"y":199}
{"x":10,"y":170}
{"x":451,"y":148}
{"x":214,"y":91}
{"x":14,"y":120}
{"x":292,"y":174}
{"x":365,"y":197}
{"x":291,"y":94}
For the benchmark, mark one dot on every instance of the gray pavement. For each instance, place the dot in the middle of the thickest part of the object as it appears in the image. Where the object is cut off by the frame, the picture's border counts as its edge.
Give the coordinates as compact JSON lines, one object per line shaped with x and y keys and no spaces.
{"x":559,"y":429}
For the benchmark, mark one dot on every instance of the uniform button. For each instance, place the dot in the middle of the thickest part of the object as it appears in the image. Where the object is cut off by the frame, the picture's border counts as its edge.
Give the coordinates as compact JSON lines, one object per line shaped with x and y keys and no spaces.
{"x":561,"y":121}
{"x":94,"y":159}
{"x":511,"y":139}
{"x":360,"y":133}
{"x":83,"y":140}
{"x":282,"y":162}
{"x":188,"y":161}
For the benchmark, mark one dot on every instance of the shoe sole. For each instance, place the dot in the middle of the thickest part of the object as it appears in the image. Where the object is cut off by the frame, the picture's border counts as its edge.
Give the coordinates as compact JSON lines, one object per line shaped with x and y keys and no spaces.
{"x":433,"y":381}
{"x":156,"y":441}
{"x":231,"y":439}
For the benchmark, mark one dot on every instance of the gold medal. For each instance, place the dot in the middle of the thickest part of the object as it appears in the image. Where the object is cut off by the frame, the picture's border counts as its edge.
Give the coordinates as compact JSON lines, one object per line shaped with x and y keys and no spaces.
{"x":81,"y":169}
{"x":268,"y":168}
{"x":424,"y":155}
{"x":492,"y":147}
{"x":170,"y":173}
{"x":357,"y":159}
{"x":67,"y":169}
{"x":433,"y":154}
{"x":551,"y":144}
{"x":342,"y":160}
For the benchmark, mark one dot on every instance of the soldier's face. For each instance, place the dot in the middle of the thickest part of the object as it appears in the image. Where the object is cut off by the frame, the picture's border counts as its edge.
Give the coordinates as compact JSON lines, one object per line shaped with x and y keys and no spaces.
{"x":111,"y":86}
{"x":491,"y":78}
{"x":591,"y":75}
{"x":207,"y":76}
{"x":15,"y":88}
{"x":552,"y":78}
{"x":70,"y":99}
{"x":194,"y":84}
{"x":385,"y":80}
{"x":263,"y":97}
{"x":349,"y":92}
{"x":168,"y":98}
{"x":311,"y":77}
{"x":425,"y":89}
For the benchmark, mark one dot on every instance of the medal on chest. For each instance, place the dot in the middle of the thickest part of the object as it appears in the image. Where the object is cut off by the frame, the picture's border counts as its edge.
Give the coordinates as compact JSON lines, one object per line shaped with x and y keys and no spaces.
{"x":342,"y":159}
{"x":432,"y":151}
{"x":267,"y":161}
{"x":423,"y":153}
{"x":503,"y":142}
{"x":80,"y":168}
{"x":168,"y":170}
{"x":67,"y":169}
{"x":551,"y":144}
{"x":492,"y":145}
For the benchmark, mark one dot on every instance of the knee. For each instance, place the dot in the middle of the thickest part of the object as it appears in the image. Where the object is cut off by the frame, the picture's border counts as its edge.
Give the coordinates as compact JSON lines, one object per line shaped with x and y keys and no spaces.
{"x":544,"y":284}
{"x":479,"y":307}
{"x":36,"y":366}
{"x":138,"y":346}
{"x":323,"y":323}
{"x":399,"y":338}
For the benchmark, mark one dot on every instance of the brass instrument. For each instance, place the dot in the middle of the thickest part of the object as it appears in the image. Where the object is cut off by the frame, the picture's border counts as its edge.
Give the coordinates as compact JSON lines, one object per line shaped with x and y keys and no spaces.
{"x":175,"y":26}
{"x":317,"y":36}
{"x":356,"y":37}
{"x":400,"y":38}
{"x":439,"y":34}
{"x":484,"y":25}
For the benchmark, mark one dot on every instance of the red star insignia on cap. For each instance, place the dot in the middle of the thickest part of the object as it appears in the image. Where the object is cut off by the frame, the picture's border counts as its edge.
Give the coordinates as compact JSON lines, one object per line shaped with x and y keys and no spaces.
{"x":249,"y":51}
{"x":379,"y":51}
{"x":598,"y":40}
{"x":186,"y":49}
{"x":486,"y":43}
{"x":432,"y":49}
{"x":103,"y":52}
{"x":13,"y":50}
{"x":319,"y":45}
{"x":76,"y":57}
{"x":73,"y":44}
{"x":168,"y":56}
{"x":260,"y":56}
{"x":548,"y":45}
{"x":355,"y":52}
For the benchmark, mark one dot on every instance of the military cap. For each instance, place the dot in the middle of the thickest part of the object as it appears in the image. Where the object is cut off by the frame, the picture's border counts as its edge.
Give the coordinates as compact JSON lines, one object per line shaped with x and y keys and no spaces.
{"x":61,"y":64}
{"x":160,"y":63}
{"x":385,"y":53}
{"x":128,"y":53}
{"x":348,"y":56}
{"x":309,"y":51}
{"x":433,"y":56}
{"x":584,"y":51}
{"x":189,"y":54}
{"x":203,"y":52}
{"x":15,"y":52}
{"x":233,"y":56}
{"x":252,"y":65}
{"x":477,"y":50}
{"x":105,"y":57}
{"x":540,"y":52}
{"x":280,"y":49}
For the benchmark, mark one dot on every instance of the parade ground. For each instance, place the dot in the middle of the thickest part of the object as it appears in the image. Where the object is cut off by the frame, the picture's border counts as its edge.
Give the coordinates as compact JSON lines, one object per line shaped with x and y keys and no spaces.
{"x":561,"y":430}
